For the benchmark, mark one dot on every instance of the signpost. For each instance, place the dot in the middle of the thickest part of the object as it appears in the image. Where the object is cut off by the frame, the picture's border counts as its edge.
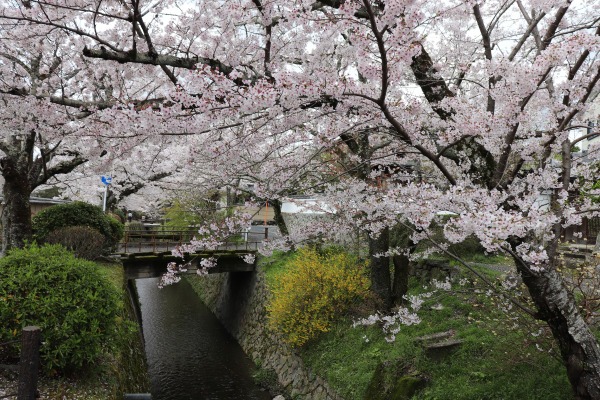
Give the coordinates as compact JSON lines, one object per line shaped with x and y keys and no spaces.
{"x":106,"y":180}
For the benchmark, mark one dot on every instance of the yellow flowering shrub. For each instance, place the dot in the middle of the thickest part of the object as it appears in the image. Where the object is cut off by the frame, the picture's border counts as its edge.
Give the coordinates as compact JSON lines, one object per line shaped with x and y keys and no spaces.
{"x":314,"y":289}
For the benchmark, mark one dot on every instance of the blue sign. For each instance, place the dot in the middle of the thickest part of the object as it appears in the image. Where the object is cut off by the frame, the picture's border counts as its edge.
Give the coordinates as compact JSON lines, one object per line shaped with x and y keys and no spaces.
{"x":106,"y":180}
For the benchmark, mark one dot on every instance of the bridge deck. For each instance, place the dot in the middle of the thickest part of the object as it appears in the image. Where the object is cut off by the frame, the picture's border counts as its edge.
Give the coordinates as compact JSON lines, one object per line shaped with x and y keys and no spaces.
{"x":154,"y":263}
{"x":168,"y":246}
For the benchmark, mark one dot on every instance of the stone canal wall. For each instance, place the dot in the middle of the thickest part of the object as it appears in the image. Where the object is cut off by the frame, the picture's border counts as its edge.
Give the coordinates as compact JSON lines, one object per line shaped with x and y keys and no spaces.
{"x":238,"y":299}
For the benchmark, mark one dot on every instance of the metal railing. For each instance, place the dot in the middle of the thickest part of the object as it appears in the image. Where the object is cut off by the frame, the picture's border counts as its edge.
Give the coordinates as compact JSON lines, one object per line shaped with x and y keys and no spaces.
{"x":167,"y":240}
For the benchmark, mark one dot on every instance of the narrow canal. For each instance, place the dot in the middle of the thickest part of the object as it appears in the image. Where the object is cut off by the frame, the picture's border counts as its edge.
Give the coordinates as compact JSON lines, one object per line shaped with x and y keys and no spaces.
{"x":190,"y":354}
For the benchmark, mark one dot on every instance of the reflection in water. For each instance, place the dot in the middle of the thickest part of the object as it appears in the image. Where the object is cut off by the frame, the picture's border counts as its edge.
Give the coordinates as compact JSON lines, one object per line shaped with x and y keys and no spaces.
{"x":190,"y":354}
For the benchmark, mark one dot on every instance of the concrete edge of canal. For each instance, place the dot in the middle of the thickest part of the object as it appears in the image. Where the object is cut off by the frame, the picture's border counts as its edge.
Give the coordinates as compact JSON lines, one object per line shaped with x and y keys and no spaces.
{"x":238,"y":300}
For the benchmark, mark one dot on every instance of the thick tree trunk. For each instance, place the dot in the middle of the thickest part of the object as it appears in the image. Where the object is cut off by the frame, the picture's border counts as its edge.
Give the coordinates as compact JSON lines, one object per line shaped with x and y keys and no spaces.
{"x":400,"y":282}
{"x":400,"y":238}
{"x":380,"y":268}
{"x":578,"y":346}
{"x":23,"y":171}
{"x":16,"y":210}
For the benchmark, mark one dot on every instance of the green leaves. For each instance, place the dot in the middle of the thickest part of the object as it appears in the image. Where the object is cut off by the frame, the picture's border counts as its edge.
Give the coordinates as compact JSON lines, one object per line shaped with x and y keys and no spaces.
{"x":75,"y":306}
{"x":76,"y":214}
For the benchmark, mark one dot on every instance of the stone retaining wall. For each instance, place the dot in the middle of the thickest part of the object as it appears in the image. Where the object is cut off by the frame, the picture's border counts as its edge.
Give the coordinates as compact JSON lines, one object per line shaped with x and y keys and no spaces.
{"x":238,"y":300}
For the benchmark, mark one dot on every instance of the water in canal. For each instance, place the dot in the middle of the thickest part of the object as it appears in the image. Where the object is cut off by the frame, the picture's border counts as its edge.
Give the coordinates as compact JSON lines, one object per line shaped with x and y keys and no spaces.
{"x":190,"y":354}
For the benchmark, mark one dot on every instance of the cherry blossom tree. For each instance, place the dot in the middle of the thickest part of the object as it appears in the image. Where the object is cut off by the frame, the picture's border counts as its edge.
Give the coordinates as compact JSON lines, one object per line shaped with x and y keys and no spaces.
{"x":37,"y":135}
{"x":50,"y":94}
{"x":478,"y":97}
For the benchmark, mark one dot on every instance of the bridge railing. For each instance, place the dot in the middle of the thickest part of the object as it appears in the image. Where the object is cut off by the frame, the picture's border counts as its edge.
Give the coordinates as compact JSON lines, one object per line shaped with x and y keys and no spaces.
{"x":143,"y":241}
{"x":171,"y":235}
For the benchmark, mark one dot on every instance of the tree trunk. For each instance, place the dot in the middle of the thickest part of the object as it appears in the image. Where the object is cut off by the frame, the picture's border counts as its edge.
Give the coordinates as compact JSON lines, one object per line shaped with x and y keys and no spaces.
{"x":400,"y":283}
{"x":400,"y":238}
{"x":380,"y":268}
{"x":16,"y":209}
{"x":578,"y":346}
{"x":278,"y":217}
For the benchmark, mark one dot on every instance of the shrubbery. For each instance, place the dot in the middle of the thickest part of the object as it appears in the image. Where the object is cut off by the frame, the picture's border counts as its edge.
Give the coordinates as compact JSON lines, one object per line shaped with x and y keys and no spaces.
{"x":83,"y":241}
{"x":118,"y":215}
{"x":75,"y":306}
{"x":76,"y":214}
{"x":136,"y":226}
{"x":117,"y":230}
{"x":315,"y":287}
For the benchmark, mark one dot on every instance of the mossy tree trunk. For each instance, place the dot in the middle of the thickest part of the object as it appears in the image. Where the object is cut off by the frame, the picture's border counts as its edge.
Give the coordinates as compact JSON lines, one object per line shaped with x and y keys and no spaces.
{"x":401,"y":273}
{"x":400,"y":239}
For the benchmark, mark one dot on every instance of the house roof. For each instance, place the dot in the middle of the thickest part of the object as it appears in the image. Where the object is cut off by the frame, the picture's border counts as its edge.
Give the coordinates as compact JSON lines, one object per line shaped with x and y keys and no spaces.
{"x":42,"y":200}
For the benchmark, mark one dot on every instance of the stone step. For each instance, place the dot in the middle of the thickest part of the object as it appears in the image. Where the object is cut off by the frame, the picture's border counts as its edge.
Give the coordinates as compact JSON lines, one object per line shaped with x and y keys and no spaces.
{"x":436,"y":336}
{"x":440,"y":350}
{"x":577,"y":255}
{"x":576,"y":249}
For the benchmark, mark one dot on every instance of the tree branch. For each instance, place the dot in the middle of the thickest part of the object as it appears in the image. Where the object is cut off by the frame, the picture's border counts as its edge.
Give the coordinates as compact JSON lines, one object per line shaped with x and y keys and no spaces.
{"x":155,"y":59}
{"x":61,"y":168}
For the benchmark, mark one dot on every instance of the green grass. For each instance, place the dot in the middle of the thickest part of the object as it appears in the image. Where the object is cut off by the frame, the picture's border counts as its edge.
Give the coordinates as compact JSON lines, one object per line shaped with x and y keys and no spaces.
{"x":113,"y":272}
{"x":497,"y":259}
{"x":275,"y":265}
{"x":496,"y":360}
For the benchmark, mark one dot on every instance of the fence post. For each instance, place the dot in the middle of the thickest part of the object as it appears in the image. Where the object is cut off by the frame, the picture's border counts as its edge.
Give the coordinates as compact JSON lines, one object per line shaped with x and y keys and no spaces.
{"x":29,"y":364}
{"x":266,"y":232}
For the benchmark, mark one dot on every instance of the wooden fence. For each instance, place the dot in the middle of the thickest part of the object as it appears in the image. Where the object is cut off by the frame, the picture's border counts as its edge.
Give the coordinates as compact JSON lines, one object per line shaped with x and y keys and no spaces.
{"x":585,"y":233}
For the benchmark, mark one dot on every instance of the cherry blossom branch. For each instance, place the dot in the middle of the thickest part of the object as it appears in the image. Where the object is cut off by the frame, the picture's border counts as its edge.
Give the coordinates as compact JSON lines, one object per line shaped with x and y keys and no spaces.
{"x":487,"y":282}
{"x":155,"y":59}
{"x":584,"y":137}
{"x":533,"y":23}
{"x":66,"y":28}
{"x":382,"y":52}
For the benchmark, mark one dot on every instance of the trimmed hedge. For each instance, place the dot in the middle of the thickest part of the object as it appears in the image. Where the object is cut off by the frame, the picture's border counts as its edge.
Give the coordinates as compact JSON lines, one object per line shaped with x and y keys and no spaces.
{"x":82,"y":241}
{"x":76,"y":214}
{"x":75,"y":306}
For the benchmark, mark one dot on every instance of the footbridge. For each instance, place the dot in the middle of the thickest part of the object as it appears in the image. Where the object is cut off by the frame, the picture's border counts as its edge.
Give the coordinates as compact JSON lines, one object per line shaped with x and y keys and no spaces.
{"x":147,"y":254}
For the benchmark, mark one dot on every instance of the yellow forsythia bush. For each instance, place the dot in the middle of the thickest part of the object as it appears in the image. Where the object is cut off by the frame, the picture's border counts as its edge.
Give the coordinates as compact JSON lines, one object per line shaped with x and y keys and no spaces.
{"x":312,"y":291}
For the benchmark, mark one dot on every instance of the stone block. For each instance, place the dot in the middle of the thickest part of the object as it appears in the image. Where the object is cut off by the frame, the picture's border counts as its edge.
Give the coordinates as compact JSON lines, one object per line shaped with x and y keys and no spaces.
{"x":440,"y":350}
{"x":394,"y":380}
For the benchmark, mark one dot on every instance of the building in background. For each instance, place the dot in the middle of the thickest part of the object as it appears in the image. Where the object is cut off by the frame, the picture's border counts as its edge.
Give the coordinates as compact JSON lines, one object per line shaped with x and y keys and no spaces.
{"x":38,"y":203}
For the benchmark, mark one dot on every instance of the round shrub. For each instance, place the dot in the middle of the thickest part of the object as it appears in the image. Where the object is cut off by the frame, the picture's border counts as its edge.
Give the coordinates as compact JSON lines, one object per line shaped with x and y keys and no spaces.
{"x":76,"y":214}
{"x":117,"y":229}
{"x":75,"y":306}
{"x":119,"y":215}
{"x":83,"y":241}
{"x":312,"y":291}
